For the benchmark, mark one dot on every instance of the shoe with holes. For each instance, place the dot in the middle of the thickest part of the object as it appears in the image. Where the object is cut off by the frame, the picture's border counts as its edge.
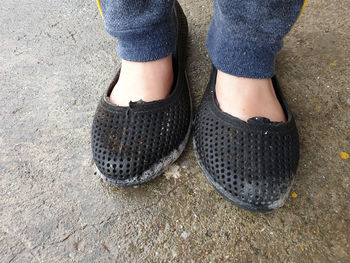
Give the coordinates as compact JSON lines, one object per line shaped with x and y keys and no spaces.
{"x":253,"y":163}
{"x":132,"y":145}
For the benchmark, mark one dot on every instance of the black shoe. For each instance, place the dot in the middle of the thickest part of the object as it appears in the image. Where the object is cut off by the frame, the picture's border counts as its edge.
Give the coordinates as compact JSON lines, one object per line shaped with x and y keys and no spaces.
{"x":132,"y":145}
{"x":252,"y":164}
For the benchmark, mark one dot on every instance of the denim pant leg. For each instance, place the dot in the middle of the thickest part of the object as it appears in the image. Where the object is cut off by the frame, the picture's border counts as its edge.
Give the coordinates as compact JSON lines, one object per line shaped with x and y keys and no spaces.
{"x":245,"y":36}
{"x":145,"y":29}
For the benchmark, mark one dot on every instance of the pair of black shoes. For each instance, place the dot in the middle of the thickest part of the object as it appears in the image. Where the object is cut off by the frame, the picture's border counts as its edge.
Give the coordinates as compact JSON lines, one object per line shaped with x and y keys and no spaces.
{"x":252,"y":163}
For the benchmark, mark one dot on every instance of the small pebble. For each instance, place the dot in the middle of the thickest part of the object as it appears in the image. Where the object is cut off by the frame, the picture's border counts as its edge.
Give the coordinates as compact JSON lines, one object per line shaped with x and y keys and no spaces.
{"x":185,"y":235}
{"x":185,"y":164}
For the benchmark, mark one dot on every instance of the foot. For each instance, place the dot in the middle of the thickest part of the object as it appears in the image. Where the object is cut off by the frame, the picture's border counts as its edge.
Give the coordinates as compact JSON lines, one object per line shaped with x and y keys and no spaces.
{"x":146,"y":81}
{"x":245,"y":98}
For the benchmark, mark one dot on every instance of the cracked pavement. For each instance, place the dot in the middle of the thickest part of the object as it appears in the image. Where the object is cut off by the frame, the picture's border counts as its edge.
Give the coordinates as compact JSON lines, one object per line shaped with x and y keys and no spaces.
{"x":56,"y":60}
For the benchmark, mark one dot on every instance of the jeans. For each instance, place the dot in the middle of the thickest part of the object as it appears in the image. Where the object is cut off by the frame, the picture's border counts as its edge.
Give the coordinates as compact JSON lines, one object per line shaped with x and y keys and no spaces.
{"x":243,"y":38}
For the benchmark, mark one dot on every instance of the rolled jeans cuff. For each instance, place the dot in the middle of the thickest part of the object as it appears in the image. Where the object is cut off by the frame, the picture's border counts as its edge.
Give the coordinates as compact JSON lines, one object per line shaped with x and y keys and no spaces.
{"x":242,"y":58}
{"x":148,"y":43}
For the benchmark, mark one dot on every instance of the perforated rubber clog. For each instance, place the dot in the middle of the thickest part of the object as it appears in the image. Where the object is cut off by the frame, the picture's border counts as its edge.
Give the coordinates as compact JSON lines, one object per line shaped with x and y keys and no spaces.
{"x":132,"y":145}
{"x":252,"y":164}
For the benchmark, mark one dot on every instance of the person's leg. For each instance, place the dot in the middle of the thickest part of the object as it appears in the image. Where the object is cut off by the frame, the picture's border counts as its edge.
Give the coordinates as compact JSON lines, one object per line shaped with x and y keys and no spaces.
{"x":252,"y":164}
{"x":243,"y":40}
{"x":146,"y":34}
{"x":134,"y":144}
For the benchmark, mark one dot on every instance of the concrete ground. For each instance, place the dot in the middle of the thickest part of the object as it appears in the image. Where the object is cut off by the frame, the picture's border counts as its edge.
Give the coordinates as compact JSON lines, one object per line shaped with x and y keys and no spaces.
{"x":56,"y":60}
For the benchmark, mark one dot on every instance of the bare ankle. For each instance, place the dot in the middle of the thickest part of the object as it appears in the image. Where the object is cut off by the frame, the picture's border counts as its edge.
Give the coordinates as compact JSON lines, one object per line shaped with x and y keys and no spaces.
{"x":245,"y":98}
{"x":147,"y":81}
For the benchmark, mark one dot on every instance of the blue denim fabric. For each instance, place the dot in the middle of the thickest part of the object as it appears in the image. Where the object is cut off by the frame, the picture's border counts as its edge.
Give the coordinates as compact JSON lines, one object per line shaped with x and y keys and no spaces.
{"x":243,"y":38}
{"x":145,"y":29}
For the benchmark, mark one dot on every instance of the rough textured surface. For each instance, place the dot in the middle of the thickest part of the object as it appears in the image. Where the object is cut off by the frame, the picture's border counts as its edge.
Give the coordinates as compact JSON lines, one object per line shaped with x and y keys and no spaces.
{"x":56,"y":60}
